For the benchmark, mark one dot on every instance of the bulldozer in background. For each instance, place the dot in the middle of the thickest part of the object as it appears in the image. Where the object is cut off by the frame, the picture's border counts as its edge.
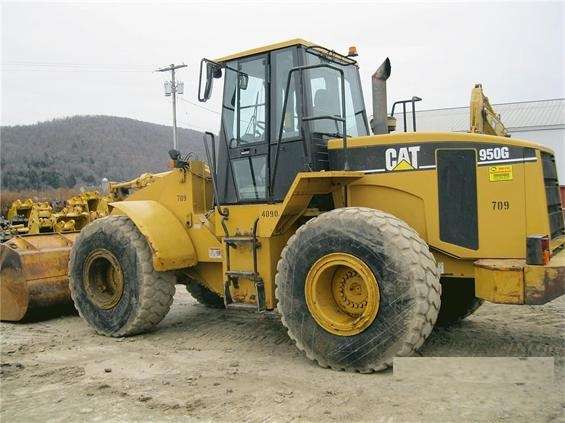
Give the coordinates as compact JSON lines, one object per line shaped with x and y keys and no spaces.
{"x":29,"y":216}
{"x":361,"y":242}
{"x":35,"y":217}
{"x":80,"y":210}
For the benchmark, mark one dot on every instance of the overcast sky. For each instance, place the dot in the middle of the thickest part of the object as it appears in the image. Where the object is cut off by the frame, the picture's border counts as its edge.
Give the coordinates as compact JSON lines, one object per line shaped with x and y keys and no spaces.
{"x":63,"y":59}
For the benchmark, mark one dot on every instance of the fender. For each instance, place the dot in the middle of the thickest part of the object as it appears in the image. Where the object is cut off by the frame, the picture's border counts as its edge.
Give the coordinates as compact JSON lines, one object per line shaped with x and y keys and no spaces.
{"x":167,"y":237}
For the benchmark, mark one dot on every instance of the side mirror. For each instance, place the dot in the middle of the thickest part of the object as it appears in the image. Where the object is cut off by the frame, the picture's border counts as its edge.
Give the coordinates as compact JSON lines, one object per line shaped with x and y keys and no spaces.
{"x":243,"y":81}
{"x":213,"y":71}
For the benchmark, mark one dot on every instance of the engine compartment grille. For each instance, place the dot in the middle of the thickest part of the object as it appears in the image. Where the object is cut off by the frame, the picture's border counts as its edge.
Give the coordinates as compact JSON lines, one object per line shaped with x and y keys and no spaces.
{"x":556,"y":225}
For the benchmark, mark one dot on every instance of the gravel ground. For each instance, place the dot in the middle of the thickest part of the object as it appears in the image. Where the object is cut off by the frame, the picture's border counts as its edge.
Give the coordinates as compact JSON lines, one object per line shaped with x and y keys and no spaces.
{"x":203,"y":364}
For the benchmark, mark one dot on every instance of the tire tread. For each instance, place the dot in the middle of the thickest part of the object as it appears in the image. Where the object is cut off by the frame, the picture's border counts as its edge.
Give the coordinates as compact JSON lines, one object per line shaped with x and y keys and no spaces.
{"x":426,"y":282}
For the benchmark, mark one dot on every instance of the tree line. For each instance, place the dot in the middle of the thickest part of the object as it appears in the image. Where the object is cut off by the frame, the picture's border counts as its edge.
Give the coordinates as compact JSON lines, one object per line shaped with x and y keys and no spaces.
{"x":81,"y":150}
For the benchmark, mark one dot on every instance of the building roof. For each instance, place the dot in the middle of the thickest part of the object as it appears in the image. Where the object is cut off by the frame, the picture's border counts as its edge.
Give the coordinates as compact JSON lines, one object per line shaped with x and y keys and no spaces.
{"x":515,"y":116}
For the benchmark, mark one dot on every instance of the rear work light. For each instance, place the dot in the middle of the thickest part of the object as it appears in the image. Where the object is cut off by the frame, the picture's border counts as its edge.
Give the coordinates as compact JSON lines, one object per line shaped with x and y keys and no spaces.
{"x":537,"y":250}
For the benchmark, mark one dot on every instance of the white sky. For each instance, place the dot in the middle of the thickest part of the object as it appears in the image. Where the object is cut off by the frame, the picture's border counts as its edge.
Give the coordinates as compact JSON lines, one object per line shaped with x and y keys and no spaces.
{"x":63,"y":59}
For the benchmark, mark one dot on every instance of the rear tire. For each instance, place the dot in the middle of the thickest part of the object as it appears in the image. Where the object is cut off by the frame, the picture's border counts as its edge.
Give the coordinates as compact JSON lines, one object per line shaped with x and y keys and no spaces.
{"x":405,"y":272}
{"x":458,"y":300}
{"x":204,"y":296}
{"x":112,"y":281}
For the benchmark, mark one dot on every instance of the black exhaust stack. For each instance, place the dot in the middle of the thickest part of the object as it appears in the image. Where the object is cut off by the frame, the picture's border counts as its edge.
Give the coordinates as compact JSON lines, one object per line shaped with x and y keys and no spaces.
{"x":379,"y":123}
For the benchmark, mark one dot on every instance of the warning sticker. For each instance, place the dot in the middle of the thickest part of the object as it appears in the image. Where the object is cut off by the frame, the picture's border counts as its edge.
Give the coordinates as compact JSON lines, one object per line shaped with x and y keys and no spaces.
{"x":500,"y":173}
{"x":214,"y":253}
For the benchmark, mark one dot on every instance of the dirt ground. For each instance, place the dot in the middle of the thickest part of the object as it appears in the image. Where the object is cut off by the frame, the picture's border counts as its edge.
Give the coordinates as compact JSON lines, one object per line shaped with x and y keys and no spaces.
{"x":212,"y":365}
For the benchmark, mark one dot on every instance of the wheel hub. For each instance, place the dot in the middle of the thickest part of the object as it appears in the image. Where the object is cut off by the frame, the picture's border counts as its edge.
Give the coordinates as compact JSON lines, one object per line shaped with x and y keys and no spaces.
{"x":350,"y":292}
{"x":103,"y":279}
{"x":342,"y":294}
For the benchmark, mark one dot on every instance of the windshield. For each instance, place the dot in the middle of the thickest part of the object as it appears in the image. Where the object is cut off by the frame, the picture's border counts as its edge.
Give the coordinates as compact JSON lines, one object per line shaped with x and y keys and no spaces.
{"x":325,"y":97}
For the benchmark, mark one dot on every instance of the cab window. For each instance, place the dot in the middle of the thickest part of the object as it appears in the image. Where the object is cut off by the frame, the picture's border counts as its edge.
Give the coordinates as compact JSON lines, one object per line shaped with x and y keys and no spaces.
{"x":325,"y":94}
{"x":244,"y":102}
{"x":284,"y":61}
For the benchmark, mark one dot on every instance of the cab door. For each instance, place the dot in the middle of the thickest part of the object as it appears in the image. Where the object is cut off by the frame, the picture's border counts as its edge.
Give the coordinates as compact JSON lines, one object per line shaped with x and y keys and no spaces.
{"x":246,"y":130}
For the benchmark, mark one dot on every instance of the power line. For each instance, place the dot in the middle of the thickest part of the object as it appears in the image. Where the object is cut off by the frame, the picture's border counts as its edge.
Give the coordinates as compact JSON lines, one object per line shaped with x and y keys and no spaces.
{"x":29,"y":66}
{"x":42,"y":63}
{"x":78,"y":70}
{"x":202,"y":107}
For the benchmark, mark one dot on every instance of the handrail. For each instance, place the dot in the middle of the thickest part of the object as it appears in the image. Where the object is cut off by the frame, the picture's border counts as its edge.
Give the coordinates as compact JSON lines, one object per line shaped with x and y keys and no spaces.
{"x":212,"y":163}
{"x":413,"y":101}
{"x":330,"y":55}
{"x":310,"y":118}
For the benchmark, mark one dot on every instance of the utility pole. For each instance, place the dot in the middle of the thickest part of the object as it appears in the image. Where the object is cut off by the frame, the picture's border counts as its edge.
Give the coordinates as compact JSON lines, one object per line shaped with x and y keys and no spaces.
{"x":171,"y":89}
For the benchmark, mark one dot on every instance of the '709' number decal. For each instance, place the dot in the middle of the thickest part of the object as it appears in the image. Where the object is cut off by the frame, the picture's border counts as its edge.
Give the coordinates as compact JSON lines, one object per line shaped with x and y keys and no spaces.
{"x":500,"y":205}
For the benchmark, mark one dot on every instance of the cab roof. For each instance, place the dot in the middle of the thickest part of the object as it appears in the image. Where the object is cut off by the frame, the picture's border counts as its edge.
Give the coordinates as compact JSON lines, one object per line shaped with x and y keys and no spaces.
{"x":269,"y":47}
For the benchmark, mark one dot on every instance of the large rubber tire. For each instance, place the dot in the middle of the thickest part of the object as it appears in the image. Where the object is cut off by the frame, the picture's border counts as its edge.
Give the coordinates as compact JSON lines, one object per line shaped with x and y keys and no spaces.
{"x":458,"y":300}
{"x":204,"y":296}
{"x":147,"y":294}
{"x":407,"y":278}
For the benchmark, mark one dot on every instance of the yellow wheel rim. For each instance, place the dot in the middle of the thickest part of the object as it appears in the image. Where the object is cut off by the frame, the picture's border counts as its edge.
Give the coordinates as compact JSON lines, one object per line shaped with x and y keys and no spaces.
{"x":342,"y":294}
{"x":103,"y":279}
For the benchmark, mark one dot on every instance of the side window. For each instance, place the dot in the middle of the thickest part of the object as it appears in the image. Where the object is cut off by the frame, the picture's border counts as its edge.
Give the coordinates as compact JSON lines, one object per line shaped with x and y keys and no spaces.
{"x":326,"y":100}
{"x":284,"y":62}
{"x":325,"y":87}
{"x":252,"y":102}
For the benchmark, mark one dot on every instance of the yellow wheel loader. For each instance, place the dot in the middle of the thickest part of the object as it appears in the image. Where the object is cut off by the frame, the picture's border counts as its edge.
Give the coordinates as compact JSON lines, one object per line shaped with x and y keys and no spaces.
{"x":361,"y":242}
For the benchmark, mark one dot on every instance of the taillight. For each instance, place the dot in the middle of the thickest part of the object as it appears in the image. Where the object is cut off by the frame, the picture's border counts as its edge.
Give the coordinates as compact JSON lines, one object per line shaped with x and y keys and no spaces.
{"x":537,"y":250}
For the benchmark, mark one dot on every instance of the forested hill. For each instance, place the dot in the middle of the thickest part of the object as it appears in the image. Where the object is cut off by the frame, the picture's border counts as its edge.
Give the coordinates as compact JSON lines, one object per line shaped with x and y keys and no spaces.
{"x":81,"y":150}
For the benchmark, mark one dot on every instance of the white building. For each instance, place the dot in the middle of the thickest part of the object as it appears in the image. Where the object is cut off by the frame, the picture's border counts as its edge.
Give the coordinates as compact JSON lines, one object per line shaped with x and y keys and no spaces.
{"x":540,"y":121}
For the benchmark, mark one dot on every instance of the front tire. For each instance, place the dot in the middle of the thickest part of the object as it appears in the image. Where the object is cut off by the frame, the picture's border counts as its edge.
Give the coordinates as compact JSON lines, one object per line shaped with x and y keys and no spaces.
{"x":341,"y":266}
{"x":112,"y":281}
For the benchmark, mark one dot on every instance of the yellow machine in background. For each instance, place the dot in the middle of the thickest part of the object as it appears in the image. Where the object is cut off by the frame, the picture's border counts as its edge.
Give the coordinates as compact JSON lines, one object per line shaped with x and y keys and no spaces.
{"x":28,"y":216}
{"x":81,"y":210}
{"x":483,"y":118}
{"x":33,"y":217}
{"x":361,"y":242}
{"x":34,"y":266}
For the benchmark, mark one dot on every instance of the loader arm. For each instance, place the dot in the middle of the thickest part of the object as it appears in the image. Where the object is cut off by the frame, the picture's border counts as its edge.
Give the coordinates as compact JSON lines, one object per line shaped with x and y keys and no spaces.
{"x":483,"y":118}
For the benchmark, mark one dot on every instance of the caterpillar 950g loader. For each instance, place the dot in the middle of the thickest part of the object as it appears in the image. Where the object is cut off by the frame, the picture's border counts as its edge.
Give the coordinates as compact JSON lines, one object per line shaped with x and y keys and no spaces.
{"x":361,"y":242}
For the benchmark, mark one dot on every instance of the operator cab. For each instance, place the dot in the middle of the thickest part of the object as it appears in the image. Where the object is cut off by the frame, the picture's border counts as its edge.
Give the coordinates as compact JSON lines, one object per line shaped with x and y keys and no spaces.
{"x":281,"y":103}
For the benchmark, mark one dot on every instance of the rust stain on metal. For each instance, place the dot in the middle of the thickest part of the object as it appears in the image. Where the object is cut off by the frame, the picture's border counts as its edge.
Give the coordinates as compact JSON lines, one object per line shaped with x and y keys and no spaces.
{"x":544,"y":284}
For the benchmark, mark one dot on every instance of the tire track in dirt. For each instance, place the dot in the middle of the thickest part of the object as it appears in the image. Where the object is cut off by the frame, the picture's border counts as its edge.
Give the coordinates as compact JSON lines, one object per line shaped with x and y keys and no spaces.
{"x":223,"y":365}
